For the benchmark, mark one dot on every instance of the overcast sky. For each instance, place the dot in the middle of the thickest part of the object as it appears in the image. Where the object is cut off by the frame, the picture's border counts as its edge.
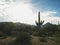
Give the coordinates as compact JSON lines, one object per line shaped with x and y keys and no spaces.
{"x":26,"y":11}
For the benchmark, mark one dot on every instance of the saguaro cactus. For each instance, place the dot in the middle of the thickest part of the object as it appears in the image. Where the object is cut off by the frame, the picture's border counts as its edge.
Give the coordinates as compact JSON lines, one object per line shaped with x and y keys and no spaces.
{"x":40,"y":22}
{"x":41,"y":32}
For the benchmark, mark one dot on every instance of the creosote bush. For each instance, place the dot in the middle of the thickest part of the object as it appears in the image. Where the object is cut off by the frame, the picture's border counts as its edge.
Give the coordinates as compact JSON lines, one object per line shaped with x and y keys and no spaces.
{"x":35,"y":33}
{"x":23,"y":39}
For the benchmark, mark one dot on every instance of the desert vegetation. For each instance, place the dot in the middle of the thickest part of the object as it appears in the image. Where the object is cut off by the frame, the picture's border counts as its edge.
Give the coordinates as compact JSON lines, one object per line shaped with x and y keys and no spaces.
{"x":25,"y":34}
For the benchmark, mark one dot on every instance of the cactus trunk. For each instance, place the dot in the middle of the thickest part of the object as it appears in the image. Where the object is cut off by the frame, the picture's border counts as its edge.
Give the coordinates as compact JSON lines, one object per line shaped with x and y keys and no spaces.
{"x":39,"y":17}
{"x":39,"y":22}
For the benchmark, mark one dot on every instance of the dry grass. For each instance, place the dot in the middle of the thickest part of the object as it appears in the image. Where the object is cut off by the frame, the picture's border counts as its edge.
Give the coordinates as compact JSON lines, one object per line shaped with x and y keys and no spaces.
{"x":7,"y":40}
{"x":36,"y":41}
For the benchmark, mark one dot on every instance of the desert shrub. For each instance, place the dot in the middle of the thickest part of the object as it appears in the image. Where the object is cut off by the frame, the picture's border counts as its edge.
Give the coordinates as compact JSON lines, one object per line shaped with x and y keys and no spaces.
{"x":43,"y":39}
{"x":57,"y":38}
{"x":23,"y":39}
{"x":35,"y":33}
{"x":2,"y":34}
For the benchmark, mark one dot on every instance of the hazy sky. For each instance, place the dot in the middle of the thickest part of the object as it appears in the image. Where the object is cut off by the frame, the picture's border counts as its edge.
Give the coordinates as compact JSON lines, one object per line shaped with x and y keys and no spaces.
{"x":26,"y":11}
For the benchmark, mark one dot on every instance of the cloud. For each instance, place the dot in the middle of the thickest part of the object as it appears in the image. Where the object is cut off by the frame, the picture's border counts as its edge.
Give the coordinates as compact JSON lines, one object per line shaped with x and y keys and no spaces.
{"x":48,"y":16}
{"x":22,"y":1}
{"x":19,"y":13}
{"x":24,"y":12}
{"x":48,"y":13}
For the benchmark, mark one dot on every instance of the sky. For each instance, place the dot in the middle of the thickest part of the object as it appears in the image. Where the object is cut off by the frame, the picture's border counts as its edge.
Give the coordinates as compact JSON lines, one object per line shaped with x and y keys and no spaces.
{"x":26,"y":11}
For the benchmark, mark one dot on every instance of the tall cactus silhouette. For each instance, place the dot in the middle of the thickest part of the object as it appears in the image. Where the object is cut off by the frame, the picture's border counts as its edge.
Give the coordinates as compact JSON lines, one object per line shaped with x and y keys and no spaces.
{"x":40,"y":22}
{"x":40,"y":31}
